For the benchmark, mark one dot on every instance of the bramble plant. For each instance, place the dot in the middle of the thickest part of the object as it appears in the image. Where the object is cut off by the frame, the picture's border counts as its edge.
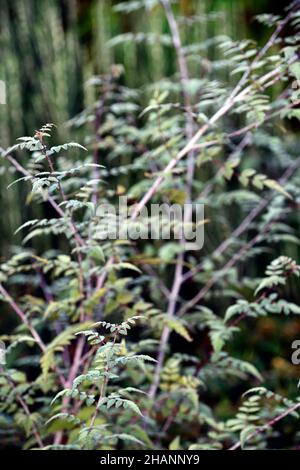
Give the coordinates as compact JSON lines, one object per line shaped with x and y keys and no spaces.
{"x":95,"y":360}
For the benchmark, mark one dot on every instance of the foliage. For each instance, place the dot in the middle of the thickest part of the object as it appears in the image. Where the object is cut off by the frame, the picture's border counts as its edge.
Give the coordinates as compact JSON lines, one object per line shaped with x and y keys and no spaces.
{"x":124,"y":344}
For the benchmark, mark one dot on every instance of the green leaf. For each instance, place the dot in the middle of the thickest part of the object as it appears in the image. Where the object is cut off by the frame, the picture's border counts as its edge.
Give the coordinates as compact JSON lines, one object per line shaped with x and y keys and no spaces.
{"x":245,"y":434}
